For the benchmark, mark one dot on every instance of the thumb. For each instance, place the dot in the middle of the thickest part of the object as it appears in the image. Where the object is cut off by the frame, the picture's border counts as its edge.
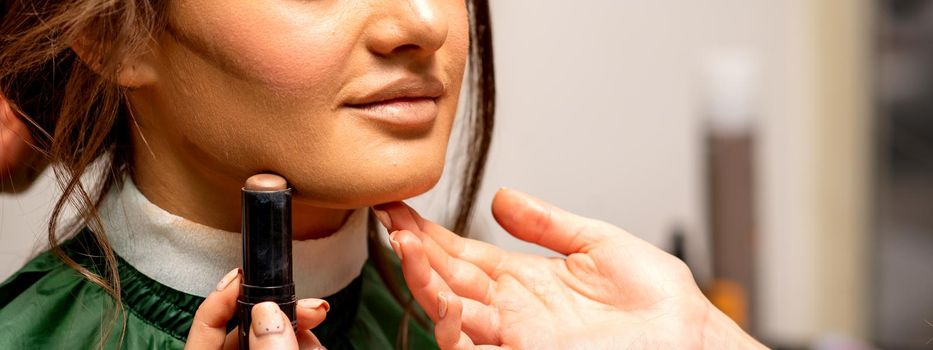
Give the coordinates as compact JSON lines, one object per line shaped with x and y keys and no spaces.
{"x":535,"y":221}
{"x":270,"y":328}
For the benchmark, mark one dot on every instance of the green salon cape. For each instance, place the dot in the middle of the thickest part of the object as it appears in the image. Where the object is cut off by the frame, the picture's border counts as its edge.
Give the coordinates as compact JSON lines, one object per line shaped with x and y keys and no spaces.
{"x":48,"y":305}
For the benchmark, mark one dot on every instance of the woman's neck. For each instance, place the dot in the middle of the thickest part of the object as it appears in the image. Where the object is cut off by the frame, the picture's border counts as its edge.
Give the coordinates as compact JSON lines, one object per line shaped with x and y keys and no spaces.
{"x":211,"y":199}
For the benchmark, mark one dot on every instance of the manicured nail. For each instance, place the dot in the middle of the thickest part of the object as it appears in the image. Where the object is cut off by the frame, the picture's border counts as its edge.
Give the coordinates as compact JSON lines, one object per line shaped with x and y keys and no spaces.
{"x":383,"y":217}
{"x":396,"y":246}
{"x":267,"y":319}
{"x":441,"y":304}
{"x":314,"y":304}
{"x":229,"y":277}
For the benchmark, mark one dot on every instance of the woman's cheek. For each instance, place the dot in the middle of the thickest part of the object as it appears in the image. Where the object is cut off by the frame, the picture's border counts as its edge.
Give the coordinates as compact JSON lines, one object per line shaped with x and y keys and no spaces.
{"x":290,"y":68}
{"x":287,"y":52}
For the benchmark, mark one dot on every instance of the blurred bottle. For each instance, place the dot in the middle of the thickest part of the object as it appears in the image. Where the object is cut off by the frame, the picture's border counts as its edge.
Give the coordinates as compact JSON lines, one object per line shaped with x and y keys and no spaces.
{"x":730,"y":107}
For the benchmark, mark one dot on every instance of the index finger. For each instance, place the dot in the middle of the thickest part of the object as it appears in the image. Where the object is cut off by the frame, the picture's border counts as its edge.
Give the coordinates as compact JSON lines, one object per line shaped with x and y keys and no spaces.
{"x":209,"y":327}
{"x":402,"y":217}
{"x":534,"y":221}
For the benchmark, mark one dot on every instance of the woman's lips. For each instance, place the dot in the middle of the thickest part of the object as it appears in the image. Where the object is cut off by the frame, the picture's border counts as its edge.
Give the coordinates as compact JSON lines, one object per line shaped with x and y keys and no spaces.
{"x":404,"y":112}
{"x":405,"y":103}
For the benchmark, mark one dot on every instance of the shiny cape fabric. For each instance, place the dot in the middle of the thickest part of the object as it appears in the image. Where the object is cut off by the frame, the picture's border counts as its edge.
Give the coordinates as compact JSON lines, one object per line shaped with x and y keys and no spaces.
{"x":49,"y":305}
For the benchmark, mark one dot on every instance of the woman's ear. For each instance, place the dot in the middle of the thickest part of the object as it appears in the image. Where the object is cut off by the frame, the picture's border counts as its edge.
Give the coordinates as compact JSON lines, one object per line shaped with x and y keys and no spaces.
{"x":135,"y":71}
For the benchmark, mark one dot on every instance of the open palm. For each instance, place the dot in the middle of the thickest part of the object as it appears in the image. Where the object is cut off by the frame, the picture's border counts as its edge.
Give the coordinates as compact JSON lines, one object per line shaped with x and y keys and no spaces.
{"x":612,"y":290}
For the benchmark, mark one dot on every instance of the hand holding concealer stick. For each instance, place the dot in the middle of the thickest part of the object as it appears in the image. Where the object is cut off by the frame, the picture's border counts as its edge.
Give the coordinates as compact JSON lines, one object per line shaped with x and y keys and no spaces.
{"x":267,"y":249}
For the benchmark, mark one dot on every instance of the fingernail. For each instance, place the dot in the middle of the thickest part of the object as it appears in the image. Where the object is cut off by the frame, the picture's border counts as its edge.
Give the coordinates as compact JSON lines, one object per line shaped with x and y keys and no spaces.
{"x":314,"y":304}
{"x":266,"y":319}
{"x":383,"y":217}
{"x":396,"y":246}
{"x":318,"y":348}
{"x":229,"y":277}
{"x":441,"y":304}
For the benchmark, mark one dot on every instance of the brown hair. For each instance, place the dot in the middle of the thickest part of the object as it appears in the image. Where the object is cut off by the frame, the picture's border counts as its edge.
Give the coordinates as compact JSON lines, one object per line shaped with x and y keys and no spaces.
{"x":79,"y":117}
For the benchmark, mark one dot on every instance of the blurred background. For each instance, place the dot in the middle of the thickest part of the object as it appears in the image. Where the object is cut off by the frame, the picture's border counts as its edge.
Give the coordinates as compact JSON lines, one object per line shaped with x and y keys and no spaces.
{"x":784,"y":149}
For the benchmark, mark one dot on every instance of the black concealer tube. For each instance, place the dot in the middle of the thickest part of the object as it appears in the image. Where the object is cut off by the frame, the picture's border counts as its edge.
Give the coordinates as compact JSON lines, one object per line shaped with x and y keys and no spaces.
{"x":267,"y":249}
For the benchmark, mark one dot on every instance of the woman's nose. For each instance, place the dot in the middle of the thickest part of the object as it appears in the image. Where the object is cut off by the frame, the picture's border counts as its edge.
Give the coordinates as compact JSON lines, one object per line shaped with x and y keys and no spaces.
{"x":415,"y":27}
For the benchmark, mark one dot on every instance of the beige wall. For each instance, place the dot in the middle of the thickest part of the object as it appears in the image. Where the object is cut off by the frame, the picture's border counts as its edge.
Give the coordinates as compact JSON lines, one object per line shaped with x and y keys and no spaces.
{"x":814,"y":267}
{"x":844,"y":155}
{"x":22,"y":224}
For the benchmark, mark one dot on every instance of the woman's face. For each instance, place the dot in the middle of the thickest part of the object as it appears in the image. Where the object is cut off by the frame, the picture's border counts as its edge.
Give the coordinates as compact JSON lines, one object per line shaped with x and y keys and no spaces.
{"x":351,"y":101}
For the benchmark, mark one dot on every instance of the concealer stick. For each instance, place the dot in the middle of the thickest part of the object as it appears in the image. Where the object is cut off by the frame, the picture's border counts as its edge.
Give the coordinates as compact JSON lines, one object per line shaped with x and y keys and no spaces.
{"x":267,"y":249}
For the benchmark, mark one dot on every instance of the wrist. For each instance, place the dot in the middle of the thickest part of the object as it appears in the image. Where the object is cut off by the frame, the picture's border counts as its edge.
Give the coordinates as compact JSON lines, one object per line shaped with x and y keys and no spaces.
{"x":721,"y":332}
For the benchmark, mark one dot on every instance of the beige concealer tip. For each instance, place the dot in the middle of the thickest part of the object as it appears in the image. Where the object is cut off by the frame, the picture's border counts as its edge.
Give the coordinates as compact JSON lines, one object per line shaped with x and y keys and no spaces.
{"x":265,"y":182}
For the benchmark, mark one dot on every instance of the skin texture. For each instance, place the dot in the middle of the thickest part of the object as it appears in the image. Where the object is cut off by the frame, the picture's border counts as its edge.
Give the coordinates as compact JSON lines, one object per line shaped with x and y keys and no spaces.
{"x":236,"y":88}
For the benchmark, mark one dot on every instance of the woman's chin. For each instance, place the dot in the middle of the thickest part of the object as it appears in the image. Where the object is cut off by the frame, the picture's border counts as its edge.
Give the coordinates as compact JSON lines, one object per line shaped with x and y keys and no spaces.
{"x":362,"y":191}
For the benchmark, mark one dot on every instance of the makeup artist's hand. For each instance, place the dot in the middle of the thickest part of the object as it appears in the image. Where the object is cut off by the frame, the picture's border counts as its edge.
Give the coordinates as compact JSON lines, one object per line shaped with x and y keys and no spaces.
{"x":610,"y":291}
{"x":270,"y":329}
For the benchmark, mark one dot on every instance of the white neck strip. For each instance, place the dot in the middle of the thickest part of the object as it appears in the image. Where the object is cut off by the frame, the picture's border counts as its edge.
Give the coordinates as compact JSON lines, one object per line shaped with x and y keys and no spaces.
{"x":191,"y":257}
